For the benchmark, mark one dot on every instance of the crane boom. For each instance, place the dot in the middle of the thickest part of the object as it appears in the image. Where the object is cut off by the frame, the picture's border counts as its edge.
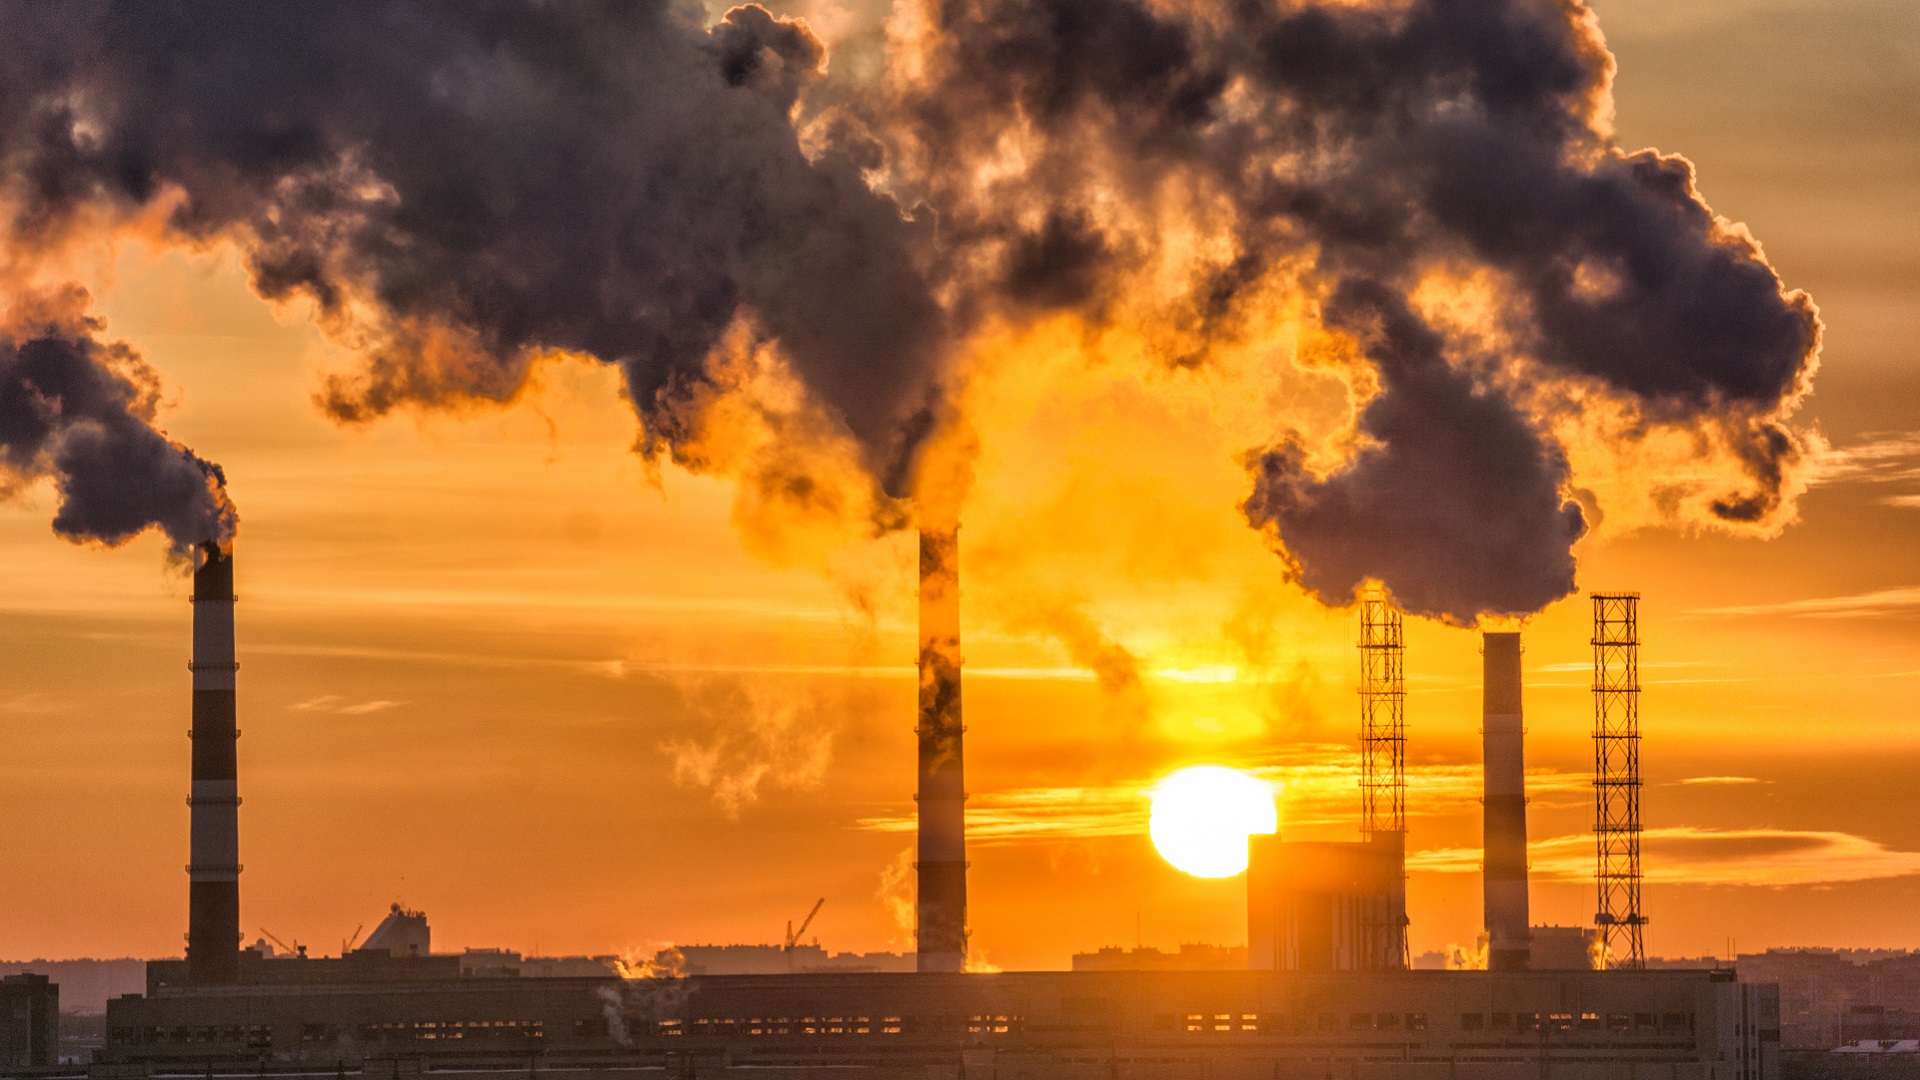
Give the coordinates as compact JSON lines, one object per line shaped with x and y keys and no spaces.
{"x":794,"y":936}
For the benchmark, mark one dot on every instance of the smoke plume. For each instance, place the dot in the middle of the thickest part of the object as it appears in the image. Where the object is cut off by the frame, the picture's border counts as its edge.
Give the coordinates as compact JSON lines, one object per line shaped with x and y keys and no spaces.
{"x":1184,"y":164}
{"x":461,"y":189}
{"x":81,"y":411}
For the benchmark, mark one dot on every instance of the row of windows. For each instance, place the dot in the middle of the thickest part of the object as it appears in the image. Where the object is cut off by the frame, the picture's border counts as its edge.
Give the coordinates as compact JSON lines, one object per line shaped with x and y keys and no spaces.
{"x":1586,"y":1021}
{"x":261,"y":1035}
{"x":1298,"y":1023}
{"x":981,"y":1024}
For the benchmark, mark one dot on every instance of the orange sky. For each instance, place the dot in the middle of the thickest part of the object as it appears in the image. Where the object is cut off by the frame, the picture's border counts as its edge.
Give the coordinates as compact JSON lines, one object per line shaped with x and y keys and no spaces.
{"x":490,"y":669}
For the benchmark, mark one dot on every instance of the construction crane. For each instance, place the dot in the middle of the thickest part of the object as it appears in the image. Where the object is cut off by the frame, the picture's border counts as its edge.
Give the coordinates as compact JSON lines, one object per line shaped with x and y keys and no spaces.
{"x":296,"y":949}
{"x":347,"y":945}
{"x":793,"y":936}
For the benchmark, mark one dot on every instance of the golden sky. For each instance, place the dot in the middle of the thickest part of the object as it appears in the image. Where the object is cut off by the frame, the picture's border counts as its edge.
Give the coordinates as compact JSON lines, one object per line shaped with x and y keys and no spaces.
{"x":492,"y":668}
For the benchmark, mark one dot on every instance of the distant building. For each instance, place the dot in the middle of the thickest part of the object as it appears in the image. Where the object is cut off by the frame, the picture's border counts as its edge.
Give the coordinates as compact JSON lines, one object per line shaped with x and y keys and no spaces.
{"x":773,"y":960}
{"x":29,"y":1021}
{"x":401,"y":933}
{"x":1191,"y":957}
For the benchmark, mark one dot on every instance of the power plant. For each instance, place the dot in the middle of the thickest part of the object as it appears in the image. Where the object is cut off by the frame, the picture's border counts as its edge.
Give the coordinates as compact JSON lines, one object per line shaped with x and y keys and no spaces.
{"x":1326,"y":990}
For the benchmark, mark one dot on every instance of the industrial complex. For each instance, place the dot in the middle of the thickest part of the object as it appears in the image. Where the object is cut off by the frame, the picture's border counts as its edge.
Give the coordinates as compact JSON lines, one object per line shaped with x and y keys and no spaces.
{"x":1323,"y":988}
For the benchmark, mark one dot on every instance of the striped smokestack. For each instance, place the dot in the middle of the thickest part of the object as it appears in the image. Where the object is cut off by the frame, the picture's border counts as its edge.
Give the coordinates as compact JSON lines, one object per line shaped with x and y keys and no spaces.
{"x":213,"y":902}
{"x":940,"y":930}
{"x":1505,"y":837}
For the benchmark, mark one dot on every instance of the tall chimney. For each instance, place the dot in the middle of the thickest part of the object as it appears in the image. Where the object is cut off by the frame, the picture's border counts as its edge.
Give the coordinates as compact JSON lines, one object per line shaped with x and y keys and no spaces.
{"x":940,"y":930}
{"x":1503,"y":735}
{"x":213,"y":900}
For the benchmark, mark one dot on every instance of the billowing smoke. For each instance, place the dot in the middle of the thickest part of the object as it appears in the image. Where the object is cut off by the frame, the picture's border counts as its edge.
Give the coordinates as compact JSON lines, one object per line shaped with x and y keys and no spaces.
{"x":1433,"y":184}
{"x":1186,"y":162}
{"x":461,"y":188}
{"x":1448,"y":469}
{"x":81,"y":411}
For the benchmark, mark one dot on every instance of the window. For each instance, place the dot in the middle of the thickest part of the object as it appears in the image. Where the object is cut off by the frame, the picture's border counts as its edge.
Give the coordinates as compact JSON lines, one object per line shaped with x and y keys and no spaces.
{"x":1645,"y":1020}
{"x":1249,"y":1022}
{"x":1530,"y":1021}
{"x":1501,"y":1020}
{"x":1619,"y":1021}
{"x":1196,"y":1022}
{"x":1679,"y":1021}
{"x":1360,"y":1020}
{"x":1387,"y":1020}
{"x":1416,"y":1021}
{"x":1562,"y":1021}
{"x":1329,"y":1022}
{"x":1589,"y":1021}
{"x":1165,"y":1022}
{"x":1472,"y":1021}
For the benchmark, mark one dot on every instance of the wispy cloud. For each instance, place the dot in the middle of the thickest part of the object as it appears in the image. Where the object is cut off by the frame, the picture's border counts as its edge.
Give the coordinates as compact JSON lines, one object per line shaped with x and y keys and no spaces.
{"x":1684,"y":855}
{"x":334,"y":703}
{"x":1885,"y":457}
{"x":1317,"y":786}
{"x":1721,"y":780}
{"x":1882,"y":603}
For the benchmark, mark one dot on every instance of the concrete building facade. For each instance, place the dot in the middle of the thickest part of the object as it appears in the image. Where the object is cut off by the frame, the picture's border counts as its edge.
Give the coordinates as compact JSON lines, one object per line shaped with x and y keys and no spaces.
{"x":1677,"y":1025}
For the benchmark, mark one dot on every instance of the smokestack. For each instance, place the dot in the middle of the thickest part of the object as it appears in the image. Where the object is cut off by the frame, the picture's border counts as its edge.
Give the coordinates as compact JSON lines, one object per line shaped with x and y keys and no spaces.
{"x":1505,"y":838}
{"x":940,"y":930}
{"x":213,"y":903}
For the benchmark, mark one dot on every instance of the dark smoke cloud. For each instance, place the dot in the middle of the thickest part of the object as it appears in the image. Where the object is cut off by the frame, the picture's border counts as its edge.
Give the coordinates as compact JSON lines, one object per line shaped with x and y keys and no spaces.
{"x":1377,"y":145}
{"x":1459,"y":467}
{"x":462,"y":186}
{"x":81,"y":411}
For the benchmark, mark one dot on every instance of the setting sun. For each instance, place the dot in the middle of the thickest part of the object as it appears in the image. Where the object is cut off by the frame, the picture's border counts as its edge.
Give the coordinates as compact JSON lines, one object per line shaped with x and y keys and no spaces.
{"x":1203,"y":814}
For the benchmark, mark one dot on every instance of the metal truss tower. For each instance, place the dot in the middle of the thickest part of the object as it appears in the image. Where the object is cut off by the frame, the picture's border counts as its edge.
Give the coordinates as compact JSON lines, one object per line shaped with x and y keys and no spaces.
{"x":1616,"y":777}
{"x":1383,"y":771}
{"x":1383,"y":715}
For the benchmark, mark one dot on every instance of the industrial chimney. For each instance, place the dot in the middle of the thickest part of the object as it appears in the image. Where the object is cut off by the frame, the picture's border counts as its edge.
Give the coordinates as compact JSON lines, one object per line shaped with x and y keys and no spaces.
{"x":213,"y":903}
{"x":940,"y":930}
{"x":1505,"y":837}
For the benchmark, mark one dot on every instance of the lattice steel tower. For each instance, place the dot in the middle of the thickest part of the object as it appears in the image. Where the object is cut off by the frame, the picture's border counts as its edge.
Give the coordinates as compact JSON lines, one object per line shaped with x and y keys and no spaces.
{"x":1383,"y":775}
{"x":1616,"y":776}
{"x":1383,"y":716}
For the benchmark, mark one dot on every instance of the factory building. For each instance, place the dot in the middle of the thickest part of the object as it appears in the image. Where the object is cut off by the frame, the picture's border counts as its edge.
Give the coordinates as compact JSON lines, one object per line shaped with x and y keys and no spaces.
{"x":1326,"y":906}
{"x":1692,"y":1025}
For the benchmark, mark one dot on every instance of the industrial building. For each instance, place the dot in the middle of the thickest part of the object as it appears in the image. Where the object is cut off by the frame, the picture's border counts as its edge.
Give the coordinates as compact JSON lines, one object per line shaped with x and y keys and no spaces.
{"x":1324,"y":988}
{"x":1698,"y":1025}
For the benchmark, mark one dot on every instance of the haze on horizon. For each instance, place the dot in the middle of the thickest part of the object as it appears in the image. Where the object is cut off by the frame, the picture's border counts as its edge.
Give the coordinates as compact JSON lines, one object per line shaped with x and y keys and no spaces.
{"x":497,"y":666}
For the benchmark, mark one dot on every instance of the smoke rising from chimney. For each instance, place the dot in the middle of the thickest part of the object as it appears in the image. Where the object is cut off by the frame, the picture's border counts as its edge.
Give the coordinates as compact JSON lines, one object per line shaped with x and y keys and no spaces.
{"x":1188,"y":164}
{"x":462,"y":189}
{"x":81,"y":410}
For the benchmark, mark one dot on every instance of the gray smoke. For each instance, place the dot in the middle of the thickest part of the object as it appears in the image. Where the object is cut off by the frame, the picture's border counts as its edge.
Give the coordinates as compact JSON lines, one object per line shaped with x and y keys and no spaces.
{"x":81,"y":411}
{"x":1376,"y":145}
{"x":461,"y":186}
{"x":1460,"y":468}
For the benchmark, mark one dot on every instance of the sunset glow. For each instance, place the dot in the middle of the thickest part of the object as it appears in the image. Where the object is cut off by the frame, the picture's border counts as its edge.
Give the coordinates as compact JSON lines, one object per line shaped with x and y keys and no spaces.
{"x":1203,"y":814}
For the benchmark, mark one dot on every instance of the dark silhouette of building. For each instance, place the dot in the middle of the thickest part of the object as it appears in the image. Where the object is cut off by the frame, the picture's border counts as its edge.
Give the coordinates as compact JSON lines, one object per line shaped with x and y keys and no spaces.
{"x":29,"y":1021}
